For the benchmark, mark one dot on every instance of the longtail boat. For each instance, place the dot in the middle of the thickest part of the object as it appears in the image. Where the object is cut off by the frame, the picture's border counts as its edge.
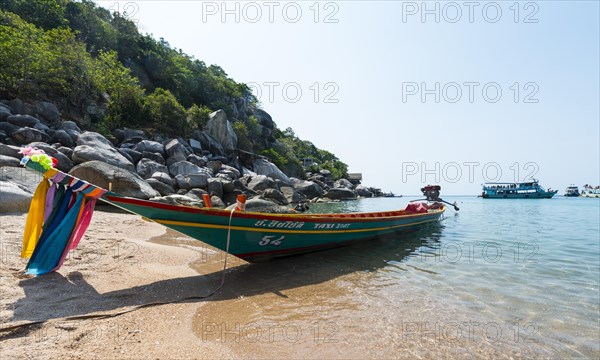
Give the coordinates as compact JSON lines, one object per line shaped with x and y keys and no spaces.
{"x":256,"y":236}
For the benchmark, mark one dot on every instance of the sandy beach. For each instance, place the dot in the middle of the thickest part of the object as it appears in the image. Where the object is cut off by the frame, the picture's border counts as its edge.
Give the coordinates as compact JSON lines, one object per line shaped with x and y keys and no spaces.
{"x":280,"y":309}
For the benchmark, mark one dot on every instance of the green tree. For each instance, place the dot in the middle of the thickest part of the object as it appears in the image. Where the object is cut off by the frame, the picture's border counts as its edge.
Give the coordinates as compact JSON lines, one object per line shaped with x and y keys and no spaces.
{"x":166,"y":114}
{"x":197,"y":116}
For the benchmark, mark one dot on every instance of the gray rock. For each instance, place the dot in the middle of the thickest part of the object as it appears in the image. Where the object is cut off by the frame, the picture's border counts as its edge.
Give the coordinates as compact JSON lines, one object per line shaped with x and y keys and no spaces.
{"x":64,"y":162}
{"x":125,"y":134}
{"x":275,"y":196}
{"x":74,"y":134}
{"x":3,"y":136}
{"x":68,"y":152}
{"x":157,"y":157}
{"x":93,"y":146}
{"x":13,"y":198}
{"x":292,"y":195}
{"x":48,"y":111}
{"x":197,"y":180}
{"x":261,"y":182}
{"x":265,"y":206}
{"x":176,"y":199}
{"x":123,"y":181}
{"x":363,"y":191}
{"x":43,"y":127}
{"x":183,"y":168}
{"x":147,"y":167}
{"x":70,"y":125}
{"x":340,"y":194}
{"x":230,"y":170}
{"x":242,"y":188}
{"x":217,"y":202}
{"x":343,"y":183}
{"x":208,"y":142}
{"x":28,"y":135}
{"x":22,"y":120}
{"x":4,"y":113}
{"x":263,"y":118}
{"x":215,"y":187}
{"x":9,"y":150}
{"x":196,"y":145}
{"x":309,"y":189}
{"x":221,"y":129}
{"x":176,"y":149}
{"x":162,"y":188}
{"x":8,"y":128}
{"x":61,"y":137}
{"x":227,"y":186}
{"x":163,"y":177}
{"x":196,"y":193}
{"x":136,"y":156}
{"x":9,"y":161}
{"x":197,"y":160}
{"x":182,"y":182}
{"x":265,"y":167}
{"x":215,"y":166}
{"x":150,"y":146}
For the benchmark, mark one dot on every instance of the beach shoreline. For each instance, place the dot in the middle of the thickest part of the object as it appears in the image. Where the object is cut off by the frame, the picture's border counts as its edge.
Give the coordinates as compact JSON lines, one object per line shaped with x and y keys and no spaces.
{"x":280,"y":309}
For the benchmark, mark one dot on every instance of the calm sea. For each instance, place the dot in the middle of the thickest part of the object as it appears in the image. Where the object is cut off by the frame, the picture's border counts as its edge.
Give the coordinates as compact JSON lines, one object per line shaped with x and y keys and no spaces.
{"x":500,"y":278}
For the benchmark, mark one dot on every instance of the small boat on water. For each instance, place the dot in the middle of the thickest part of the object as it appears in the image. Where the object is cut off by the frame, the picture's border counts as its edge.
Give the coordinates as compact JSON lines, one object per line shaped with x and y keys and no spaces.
{"x":572,"y":191}
{"x":524,"y":190}
{"x":590,"y":191}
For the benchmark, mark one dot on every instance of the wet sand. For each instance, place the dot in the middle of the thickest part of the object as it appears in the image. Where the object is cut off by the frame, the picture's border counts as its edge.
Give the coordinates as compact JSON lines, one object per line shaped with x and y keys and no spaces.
{"x":324,"y":305}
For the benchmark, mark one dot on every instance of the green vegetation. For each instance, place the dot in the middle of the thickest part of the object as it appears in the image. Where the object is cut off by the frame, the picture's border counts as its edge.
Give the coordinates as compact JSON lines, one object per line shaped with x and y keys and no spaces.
{"x":79,"y":55}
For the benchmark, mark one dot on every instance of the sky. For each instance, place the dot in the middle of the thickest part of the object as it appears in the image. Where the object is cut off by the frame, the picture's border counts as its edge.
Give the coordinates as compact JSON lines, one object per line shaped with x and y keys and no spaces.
{"x":412,"y":93}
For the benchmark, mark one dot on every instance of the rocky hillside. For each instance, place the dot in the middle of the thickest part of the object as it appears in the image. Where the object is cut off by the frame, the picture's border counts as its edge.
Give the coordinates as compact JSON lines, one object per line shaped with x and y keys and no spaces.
{"x":170,"y":169}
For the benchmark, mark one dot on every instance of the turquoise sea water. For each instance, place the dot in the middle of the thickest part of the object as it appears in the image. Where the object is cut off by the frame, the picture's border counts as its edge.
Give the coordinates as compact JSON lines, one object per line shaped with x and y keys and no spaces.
{"x":529,"y":268}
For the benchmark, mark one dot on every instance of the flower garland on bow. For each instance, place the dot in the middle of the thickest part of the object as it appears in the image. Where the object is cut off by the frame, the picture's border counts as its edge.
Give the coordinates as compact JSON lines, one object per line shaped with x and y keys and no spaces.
{"x":38,"y":156}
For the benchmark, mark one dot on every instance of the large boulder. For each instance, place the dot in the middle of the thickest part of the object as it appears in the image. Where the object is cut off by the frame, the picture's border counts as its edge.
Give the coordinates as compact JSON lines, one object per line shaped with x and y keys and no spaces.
{"x":221,"y":129}
{"x":23,"y":120}
{"x":154,"y":156}
{"x":5,"y":112}
{"x":196,"y":160}
{"x":176,"y":149}
{"x":185,"y":168}
{"x":343,"y":183}
{"x":215,"y":187}
{"x":8,"y":128}
{"x":28,"y":135}
{"x":136,"y":156}
{"x":150,"y":146}
{"x":17,"y":185}
{"x":163,"y":177}
{"x":9,"y":150}
{"x":208,"y":142}
{"x":63,"y":138}
{"x":70,"y":125}
{"x":9,"y":161}
{"x":265,"y":206}
{"x":363,"y":191}
{"x":48,"y":111}
{"x":292,"y":195}
{"x":93,"y":146}
{"x":147,"y":167}
{"x":124,"y":182}
{"x":261,"y":182}
{"x":161,"y":187}
{"x":265,"y":167}
{"x":309,"y":189}
{"x":275,"y":196}
{"x":340,"y":194}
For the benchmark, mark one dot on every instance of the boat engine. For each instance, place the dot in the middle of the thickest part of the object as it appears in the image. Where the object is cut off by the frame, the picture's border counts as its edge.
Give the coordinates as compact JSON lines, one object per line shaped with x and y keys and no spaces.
{"x":431,"y":192}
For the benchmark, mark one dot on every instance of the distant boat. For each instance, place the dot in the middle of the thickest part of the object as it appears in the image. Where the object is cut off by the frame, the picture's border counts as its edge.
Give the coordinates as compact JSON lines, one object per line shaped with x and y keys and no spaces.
{"x":590,"y":191}
{"x":524,"y":190}
{"x":572,"y":191}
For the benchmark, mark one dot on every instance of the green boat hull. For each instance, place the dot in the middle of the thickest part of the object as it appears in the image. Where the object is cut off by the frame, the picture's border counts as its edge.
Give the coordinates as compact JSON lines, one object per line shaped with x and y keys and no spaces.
{"x":260,"y":236}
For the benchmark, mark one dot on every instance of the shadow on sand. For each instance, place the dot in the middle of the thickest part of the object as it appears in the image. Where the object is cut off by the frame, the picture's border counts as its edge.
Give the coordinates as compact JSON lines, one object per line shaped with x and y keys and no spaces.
{"x":72,"y":296}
